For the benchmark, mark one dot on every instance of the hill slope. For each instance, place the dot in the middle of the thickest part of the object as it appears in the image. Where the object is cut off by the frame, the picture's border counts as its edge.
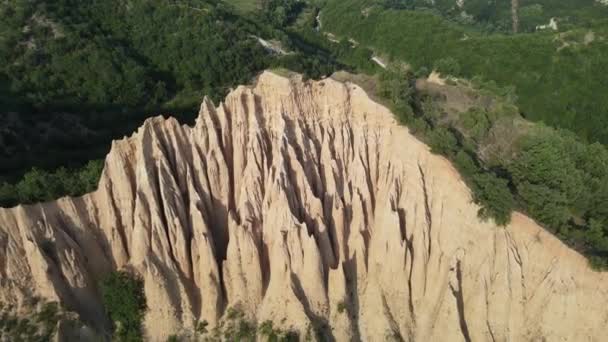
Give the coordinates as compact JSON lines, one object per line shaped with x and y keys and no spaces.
{"x":305,"y":204}
{"x":555,"y":73}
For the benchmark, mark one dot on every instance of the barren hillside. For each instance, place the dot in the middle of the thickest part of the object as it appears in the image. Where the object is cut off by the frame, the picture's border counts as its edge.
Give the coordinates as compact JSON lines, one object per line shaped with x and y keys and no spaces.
{"x":302,"y":203}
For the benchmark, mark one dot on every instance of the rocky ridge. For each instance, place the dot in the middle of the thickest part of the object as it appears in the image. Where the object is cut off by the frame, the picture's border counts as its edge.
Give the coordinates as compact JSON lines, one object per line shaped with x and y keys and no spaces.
{"x":302,"y":203}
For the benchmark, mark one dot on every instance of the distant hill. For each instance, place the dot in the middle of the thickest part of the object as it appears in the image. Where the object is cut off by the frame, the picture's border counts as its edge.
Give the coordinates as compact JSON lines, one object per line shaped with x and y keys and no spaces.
{"x":556,"y":74}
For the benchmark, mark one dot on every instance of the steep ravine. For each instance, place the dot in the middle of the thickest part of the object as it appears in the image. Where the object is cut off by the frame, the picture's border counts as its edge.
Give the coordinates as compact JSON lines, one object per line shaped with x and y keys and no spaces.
{"x":306,"y":204}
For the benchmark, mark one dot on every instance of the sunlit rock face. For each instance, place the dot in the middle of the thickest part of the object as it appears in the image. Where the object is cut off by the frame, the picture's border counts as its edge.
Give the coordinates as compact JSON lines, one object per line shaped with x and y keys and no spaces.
{"x":303,"y":203}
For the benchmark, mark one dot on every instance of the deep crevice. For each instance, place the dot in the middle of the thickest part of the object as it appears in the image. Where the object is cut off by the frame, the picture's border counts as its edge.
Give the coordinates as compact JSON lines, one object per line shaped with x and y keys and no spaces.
{"x":457,"y":292}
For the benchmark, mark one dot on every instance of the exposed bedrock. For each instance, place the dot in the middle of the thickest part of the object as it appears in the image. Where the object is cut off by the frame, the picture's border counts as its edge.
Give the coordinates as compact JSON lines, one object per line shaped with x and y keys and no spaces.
{"x":303,"y":203}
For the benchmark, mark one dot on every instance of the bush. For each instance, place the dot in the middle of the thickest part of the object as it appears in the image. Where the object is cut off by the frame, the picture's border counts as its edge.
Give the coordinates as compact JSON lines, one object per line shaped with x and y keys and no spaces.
{"x":442,"y":141}
{"x":267,"y":330}
{"x":125,"y":303}
{"x":173,"y":338}
{"x":448,"y":66}
{"x":341,"y":307}
{"x":475,"y":123}
{"x":39,"y":185}
{"x":201,"y":327}
{"x":529,"y":62}
{"x":495,"y":197}
{"x":49,"y":313}
{"x":465,"y":164}
{"x":39,"y":325}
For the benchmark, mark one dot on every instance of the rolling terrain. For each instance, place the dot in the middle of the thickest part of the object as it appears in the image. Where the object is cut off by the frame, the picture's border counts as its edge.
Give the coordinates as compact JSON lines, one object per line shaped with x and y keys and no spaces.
{"x":554,"y":73}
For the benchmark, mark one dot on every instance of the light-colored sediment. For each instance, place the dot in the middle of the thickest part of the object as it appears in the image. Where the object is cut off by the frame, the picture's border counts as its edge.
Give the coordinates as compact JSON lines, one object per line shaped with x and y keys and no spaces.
{"x":306,"y":204}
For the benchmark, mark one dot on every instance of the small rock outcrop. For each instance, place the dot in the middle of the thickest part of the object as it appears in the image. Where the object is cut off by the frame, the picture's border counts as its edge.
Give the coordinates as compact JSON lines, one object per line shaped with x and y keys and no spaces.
{"x":306,"y":204}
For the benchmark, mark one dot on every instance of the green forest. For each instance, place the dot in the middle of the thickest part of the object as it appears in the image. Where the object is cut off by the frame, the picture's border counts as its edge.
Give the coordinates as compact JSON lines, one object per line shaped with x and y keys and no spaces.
{"x":496,"y":16}
{"x":556,"y":74}
{"x":76,"y":74}
{"x":125,"y":303}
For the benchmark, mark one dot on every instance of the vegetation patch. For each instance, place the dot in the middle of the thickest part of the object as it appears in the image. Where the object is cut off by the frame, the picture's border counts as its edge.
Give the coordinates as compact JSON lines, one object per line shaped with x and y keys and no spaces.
{"x":40,"y":185}
{"x":125,"y":303}
{"x":39,"y":325}
{"x":245,"y":6}
{"x":554,"y":84}
{"x":236,"y":327}
{"x":550,"y":174}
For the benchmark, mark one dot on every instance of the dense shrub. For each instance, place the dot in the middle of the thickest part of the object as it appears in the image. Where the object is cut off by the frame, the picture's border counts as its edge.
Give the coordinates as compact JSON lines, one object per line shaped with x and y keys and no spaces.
{"x":125,"y":302}
{"x":442,"y":141}
{"x":39,"y":185}
{"x":494,"y":194}
{"x":447,"y":66}
{"x":271,"y":334}
{"x":280,"y":12}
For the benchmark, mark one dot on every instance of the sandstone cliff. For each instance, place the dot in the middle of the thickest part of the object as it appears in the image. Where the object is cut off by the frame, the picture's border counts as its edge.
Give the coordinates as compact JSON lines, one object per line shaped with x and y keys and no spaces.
{"x":306,"y":204}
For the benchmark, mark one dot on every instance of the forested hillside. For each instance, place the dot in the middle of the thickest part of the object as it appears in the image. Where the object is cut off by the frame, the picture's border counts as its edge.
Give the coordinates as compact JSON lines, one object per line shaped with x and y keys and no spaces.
{"x":497,"y":16}
{"x":556,"y":74}
{"x":76,"y":74}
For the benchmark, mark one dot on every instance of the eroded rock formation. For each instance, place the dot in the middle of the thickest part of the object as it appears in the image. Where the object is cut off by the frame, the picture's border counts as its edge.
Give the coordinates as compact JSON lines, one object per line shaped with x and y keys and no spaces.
{"x":306,"y":204}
